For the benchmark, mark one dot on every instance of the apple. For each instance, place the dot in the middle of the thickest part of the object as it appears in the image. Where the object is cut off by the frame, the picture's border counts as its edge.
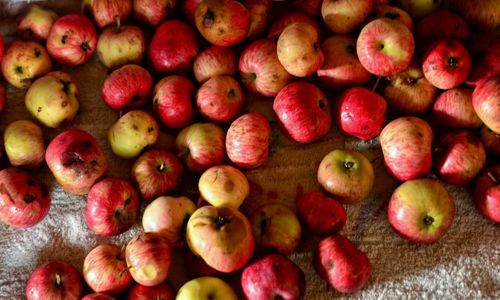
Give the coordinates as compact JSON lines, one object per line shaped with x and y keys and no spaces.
{"x":393,"y":13}
{"x":24,"y":144}
{"x":211,"y":288}
{"x":247,"y":140}
{"x":299,"y":51}
{"x":220,"y":99}
{"x":163,"y":291}
{"x":259,"y":11}
{"x":420,"y":8}
{"x":55,"y":280}
{"x":341,"y":66}
{"x":168,"y":216}
{"x":491,"y":141}
{"x":273,"y":277}
{"x":446,"y":64}
{"x":303,"y":112}
{"x":152,"y":12}
{"x":222,"y":22}
{"x":453,"y":108}
{"x":22,"y":62}
{"x":409,"y":92}
{"x":347,"y":175}
{"x":222,"y":237}
{"x":131,"y":133}
{"x":72,"y":40}
{"x":224,"y":186}
{"x":108,"y":12}
{"x":112,"y":206}
{"x":482,"y":14}
{"x":173,"y":48}
{"x":407,"y":148}
{"x":310,"y":7}
{"x":442,"y":24}
{"x":260,"y":69}
{"x":97,"y":296}
{"x":486,"y":102}
{"x":201,"y":146}
{"x":277,"y":27}
{"x":385,"y":47}
{"x":340,"y":263}
{"x":173,"y":98}
{"x":148,"y":258}
{"x":24,"y":200}
{"x":36,"y":23}
{"x":118,"y":46}
{"x":487,"y":193}
{"x":322,"y":215}
{"x":157,"y":172}
{"x":213,"y":61}
{"x":127,"y":88}
{"x":76,"y":161}
{"x":343,"y":16}
{"x":105,"y":270}
{"x":53,"y":99}
{"x":360,"y":112}
{"x":189,"y":10}
{"x":421,"y":210}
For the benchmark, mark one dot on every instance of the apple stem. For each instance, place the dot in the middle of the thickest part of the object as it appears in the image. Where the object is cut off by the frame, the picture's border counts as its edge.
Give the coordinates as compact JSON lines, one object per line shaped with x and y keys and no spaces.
{"x":492,"y":177}
{"x":58,"y":279}
{"x":118,"y":22}
{"x":376,"y":83}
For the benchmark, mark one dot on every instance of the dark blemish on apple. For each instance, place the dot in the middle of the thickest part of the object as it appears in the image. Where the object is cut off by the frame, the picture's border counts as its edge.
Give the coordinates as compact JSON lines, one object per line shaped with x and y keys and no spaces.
{"x":278,"y":297}
{"x":453,"y":62}
{"x":85,"y":46}
{"x":331,"y":265}
{"x":208,"y":19}
{"x":392,"y":15}
{"x":37,"y":52}
{"x":231,"y":93}
{"x":229,"y":186}
{"x":428,"y":220}
{"x":365,"y":127}
{"x":134,"y":127}
{"x":64,"y":38}
{"x":381,"y":46}
{"x":65,"y":85}
{"x":28,"y":198}
{"x":19,"y":70}
{"x":221,"y":31}
{"x":64,"y":104}
{"x":151,"y":130}
{"x":30,"y":182}
{"x":420,"y":134}
{"x":117,"y":213}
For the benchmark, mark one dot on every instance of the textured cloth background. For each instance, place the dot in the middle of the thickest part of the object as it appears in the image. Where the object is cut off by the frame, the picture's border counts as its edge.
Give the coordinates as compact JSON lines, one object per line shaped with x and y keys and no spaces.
{"x":465,"y":264}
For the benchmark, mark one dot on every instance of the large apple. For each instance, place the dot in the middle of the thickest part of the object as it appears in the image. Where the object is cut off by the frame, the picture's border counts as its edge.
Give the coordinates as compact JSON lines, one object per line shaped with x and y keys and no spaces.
{"x":260,"y":12}
{"x":211,"y":288}
{"x":224,"y":186}
{"x":343,"y":16}
{"x":214,"y":61}
{"x":24,"y":144}
{"x":442,"y":24}
{"x":322,"y":215}
{"x":453,"y":108}
{"x":55,"y":280}
{"x":152,"y":12}
{"x":36,"y":23}
{"x":486,"y":102}
{"x":118,"y":46}
{"x":173,"y":101}
{"x":491,"y":141}
{"x":487,"y":193}
{"x":162,"y":291}
{"x":108,"y":12}
{"x":277,"y":27}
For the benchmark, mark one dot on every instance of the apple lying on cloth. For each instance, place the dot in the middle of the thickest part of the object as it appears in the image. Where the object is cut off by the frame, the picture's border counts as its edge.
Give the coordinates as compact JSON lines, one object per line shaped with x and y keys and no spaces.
{"x":322,"y":215}
{"x":487,"y":193}
{"x":55,"y":280}
{"x":118,"y":46}
{"x":24,"y":144}
{"x":35,"y":24}
{"x":211,"y":288}
{"x":224,"y":186}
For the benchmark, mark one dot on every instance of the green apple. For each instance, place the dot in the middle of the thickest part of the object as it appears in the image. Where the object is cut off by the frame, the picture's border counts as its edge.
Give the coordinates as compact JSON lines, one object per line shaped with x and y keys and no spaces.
{"x":118,"y":46}
{"x":24,"y":144}
{"x":206,"y":288}
{"x":420,"y":8}
{"x":224,"y":185}
{"x":36,"y":23}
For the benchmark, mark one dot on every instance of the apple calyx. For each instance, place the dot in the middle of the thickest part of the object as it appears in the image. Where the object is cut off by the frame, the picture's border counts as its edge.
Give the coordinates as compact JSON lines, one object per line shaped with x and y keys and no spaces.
{"x":221,"y":221}
{"x":452,"y":62}
{"x":208,"y":19}
{"x":85,"y":46}
{"x":428,"y":220}
{"x":348,"y":165}
{"x":493,"y":178}
{"x":19,"y":70}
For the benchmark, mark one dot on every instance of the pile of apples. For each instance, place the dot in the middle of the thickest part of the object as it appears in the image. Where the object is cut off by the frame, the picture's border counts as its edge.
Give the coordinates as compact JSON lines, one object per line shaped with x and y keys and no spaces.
{"x":421,"y":76}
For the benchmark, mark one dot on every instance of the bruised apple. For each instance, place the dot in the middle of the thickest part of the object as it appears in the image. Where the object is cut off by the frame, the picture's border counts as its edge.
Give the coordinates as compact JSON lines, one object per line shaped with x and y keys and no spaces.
{"x":224,"y":186}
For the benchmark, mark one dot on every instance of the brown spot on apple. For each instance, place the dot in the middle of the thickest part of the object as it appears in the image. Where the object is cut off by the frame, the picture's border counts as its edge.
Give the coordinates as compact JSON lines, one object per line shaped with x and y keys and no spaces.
{"x":229,"y":186}
{"x":86,"y":46}
{"x":28,"y":198}
{"x":18,"y":69}
{"x":37,"y":52}
{"x":208,"y":19}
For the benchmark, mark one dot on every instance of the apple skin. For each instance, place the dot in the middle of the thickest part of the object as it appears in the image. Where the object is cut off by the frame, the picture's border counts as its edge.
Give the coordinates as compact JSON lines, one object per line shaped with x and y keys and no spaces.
{"x":276,"y":28}
{"x":24,"y":144}
{"x":35,"y":24}
{"x":148,"y":258}
{"x":303,"y":112}
{"x":360,"y":112}
{"x":222,"y":22}
{"x":247,"y":140}
{"x":152,"y":12}
{"x":220,"y":99}
{"x":214,"y":61}
{"x":196,"y":267}
{"x":108,"y":12}
{"x":485,"y":53}
{"x":385,"y":47}
{"x":157,"y":172}
{"x":341,"y":66}
{"x":451,"y":26}
{"x":118,"y":46}
{"x":486,"y":103}
{"x":420,"y":8}
{"x":224,"y":186}
{"x":453,"y":108}
{"x":259,"y":11}
{"x":105,"y":270}
{"x":112,"y":207}
{"x":322,"y":215}
{"x":459,"y":156}
{"x":310,"y":7}
{"x":299,"y":51}
{"x":260,"y":69}
{"x":222,"y":237}
{"x":168,"y":216}
{"x":55,"y":280}
{"x":421,"y":210}
{"x":273,"y":276}
{"x":206,"y":288}
{"x":22,"y":62}
{"x":393,"y":13}
{"x":173,"y":101}
{"x":341,"y":264}
{"x":487,"y":193}
{"x":347,"y":175}
{"x":407,"y":148}
{"x":189,"y":10}
{"x":343,"y":16}
{"x":24,"y":200}
{"x":72,"y":40}
{"x":76,"y":161}
{"x":162,"y":291}
{"x":173,"y":48}
{"x":483,"y":15}
{"x":446,"y":64}
{"x":97,"y":296}
{"x":491,"y":141}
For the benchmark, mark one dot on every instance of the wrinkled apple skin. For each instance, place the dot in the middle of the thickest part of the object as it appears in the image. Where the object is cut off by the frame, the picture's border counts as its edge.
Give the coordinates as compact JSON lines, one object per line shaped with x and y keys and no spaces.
{"x":98,"y":296}
{"x":24,"y":200}
{"x":343,"y":16}
{"x":441,"y":24}
{"x":322,"y":215}
{"x":24,"y":144}
{"x":406,"y":146}
{"x":118,"y":46}
{"x":206,"y":288}
{"x":393,"y":13}
{"x":105,"y":270}
{"x":277,"y":27}
{"x":491,"y":141}
{"x":486,"y":102}
{"x":173,"y":101}
{"x":453,"y":108}
{"x":340,"y":263}
{"x":36,"y":23}
{"x":214,"y":61}
{"x":162,"y":291}
{"x":487,"y":193}
{"x":76,"y":161}
{"x":224,"y":186}
{"x":112,"y":207}
{"x":152,"y":12}
{"x":108,"y":12}
{"x":56,"y":280}
{"x":247,"y":140}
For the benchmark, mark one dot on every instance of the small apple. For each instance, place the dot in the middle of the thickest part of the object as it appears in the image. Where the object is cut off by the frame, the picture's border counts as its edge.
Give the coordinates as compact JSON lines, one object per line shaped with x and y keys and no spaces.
{"x":420,"y":8}
{"x":486,"y":102}
{"x":36,"y":23}
{"x":310,"y":7}
{"x":487,"y":193}
{"x":442,"y":24}
{"x":211,"y":288}
{"x":108,"y":12}
{"x":343,"y":16}
{"x":259,"y":11}
{"x":152,"y":12}
{"x":277,"y":27}
{"x":453,"y":108}
{"x":97,"y":296}
{"x":24,"y":144}
{"x":393,"y":13}
{"x":322,"y":215}
{"x":491,"y":141}
{"x":483,"y":15}
{"x":224,"y":186}
{"x":55,"y":280}
{"x":118,"y":46}
{"x":214,"y":61}
{"x":163,"y":291}
{"x":189,"y":10}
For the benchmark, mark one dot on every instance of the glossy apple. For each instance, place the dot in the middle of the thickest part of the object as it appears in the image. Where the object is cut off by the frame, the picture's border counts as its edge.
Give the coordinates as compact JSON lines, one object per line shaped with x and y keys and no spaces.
{"x":118,"y":46}
{"x":277,"y":27}
{"x":486,"y":102}
{"x":487,"y":193}
{"x":35,"y":24}
{"x":206,"y":288}
{"x":343,"y":16}
{"x":55,"y":280}
{"x":322,"y":215}
{"x":108,"y":12}
{"x":214,"y":61}
{"x":163,"y":291}
{"x":393,"y":13}
{"x":491,"y":141}
{"x":152,"y":12}
{"x":260,"y":13}
{"x":453,"y":108}
{"x":442,"y":24}
{"x":420,"y":8}
{"x":24,"y":144}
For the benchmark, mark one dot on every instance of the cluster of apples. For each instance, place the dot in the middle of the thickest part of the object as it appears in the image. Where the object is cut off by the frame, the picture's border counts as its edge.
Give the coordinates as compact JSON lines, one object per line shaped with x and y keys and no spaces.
{"x":435,"y":65}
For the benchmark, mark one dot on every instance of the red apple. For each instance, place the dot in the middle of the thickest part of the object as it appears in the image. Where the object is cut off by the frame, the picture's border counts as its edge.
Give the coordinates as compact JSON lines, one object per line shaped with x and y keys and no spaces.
{"x":173,"y":47}
{"x":310,"y":7}
{"x":55,"y":280}
{"x":152,"y":12}
{"x":442,"y":24}
{"x":453,"y":108}
{"x":118,"y":46}
{"x":173,"y":98}
{"x":214,"y":61}
{"x":105,"y":270}
{"x":486,"y":102}
{"x":36,"y":23}
{"x":340,"y":263}
{"x":322,"y":215}
{"x":485,"y":54}
{"x":491,"y":141}
{"x":97,"y":296}
{"x":163,"y":291}
{"x":343,"y":16}
{"x":487,"y":193}
{"x":259,"y":11}
{"x":189,"y":10}
{"x":109,"y":12}
{"x":303,"y":112}
{"x":112,"y":207}
{"x":24,"y":200}
{"x":277,"y":27}
{"x":482,"y":14}
{"x":260,"y":69}
{"x":393,"y":13}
